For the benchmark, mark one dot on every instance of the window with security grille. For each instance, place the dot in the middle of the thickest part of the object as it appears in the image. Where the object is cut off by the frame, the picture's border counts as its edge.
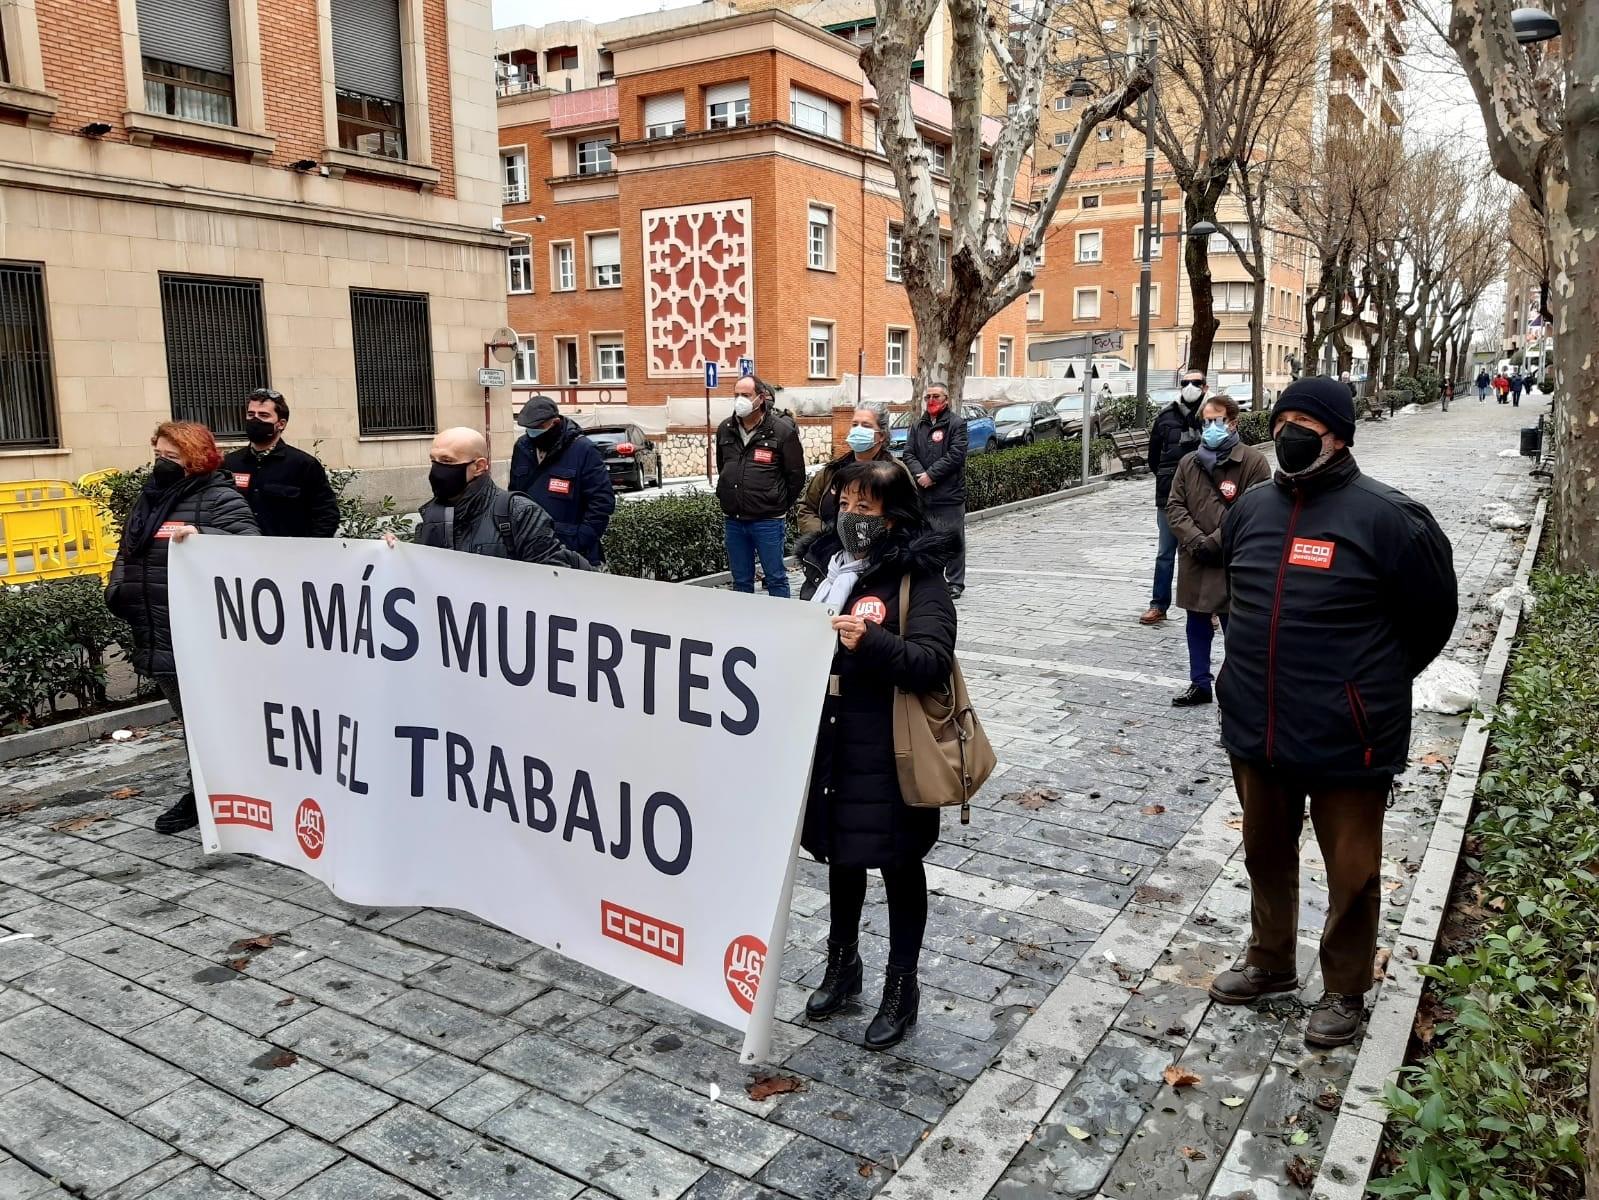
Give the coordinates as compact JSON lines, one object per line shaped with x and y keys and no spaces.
{"x":187,"y":48}
{"x":216,"y":348}
{"x":369,"y":76}
{"x":393,"y":339}
{"x":513,"y":168}
{"x":27,"y":380}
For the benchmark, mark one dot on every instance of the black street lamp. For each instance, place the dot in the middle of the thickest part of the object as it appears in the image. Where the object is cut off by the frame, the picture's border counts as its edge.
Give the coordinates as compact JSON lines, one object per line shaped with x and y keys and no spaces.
{"x":1533,"y":25}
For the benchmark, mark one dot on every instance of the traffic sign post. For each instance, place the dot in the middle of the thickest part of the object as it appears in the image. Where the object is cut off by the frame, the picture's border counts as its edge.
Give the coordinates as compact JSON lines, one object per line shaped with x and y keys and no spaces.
{"x":491,"y":377}
{"x":710,"y":433}
{"x":710,"y":376}
{"x":746,"y":367}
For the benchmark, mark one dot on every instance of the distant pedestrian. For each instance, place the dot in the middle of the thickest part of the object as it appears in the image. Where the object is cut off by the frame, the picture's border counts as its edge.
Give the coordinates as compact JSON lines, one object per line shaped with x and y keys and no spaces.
{"x":471,"y":513}
{"x":1343,"y":377}
{"x":856,"y":818}
{"x":1445,"y":391}
{"x":556,"y":466}
{"x":1516,"y":384}
{"x":935,"y":452}
{"x":1483,"y":380}
{"x":1502,"y":387}
{"x":286,"y":488}
{"x":186,"y":494}
{"x":1341,"y":590}
{"x":1207,"y":484}
{"x":760,"y":474}
{"x":1174,"y":434}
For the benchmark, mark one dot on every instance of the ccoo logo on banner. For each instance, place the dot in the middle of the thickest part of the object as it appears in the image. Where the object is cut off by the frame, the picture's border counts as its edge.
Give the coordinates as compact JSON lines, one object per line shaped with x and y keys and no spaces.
{"x":609,"y":767}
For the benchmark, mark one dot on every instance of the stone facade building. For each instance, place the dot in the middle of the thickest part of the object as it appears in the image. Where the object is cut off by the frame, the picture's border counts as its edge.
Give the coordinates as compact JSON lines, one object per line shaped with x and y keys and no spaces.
{"x":199,"y":197}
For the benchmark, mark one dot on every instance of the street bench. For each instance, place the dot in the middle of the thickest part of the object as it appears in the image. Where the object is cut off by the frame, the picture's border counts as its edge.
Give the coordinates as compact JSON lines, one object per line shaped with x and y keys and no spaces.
{"x":1132,"y":448}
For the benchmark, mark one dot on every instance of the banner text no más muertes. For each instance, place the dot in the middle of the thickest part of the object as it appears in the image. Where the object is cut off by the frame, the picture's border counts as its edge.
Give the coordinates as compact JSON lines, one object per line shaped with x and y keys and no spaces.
{"x":612,"y":768}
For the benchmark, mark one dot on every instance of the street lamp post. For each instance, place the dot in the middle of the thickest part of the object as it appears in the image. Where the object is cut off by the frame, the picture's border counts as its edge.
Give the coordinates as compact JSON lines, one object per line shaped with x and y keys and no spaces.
{"x":1142,"y":383}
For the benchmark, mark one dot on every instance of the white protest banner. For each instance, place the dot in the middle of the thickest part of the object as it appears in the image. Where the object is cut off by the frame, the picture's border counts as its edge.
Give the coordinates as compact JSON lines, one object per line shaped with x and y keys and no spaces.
{"x":612,"y":768}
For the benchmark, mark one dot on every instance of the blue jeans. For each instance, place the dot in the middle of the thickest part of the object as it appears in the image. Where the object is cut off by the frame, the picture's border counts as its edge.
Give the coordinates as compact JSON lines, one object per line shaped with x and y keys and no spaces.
{"x":745,"y":540}
{"x":1199,"y":636}
{"x":1165,"y":563}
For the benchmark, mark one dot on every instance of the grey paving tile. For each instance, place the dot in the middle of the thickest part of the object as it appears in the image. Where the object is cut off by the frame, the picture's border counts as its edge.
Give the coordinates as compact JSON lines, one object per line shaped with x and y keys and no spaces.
{"x":99,"y":997}
{"x":555,"y":1010}
{"x":13,"y":1075}
{"x":91,"y":1062}
{"x":446,"y":1160}
{"x":356,"y":1047}
{"x":806,"y":1168}
{"x":72,"y":1140}
{"x":350,"y":1179}
{"x":462,"y":937}
{"x":479,"y":1100}
{"x":443,"y":1024}
{"x":555,"y":1066}
{"x":339,"y":985}
{"x":229,"y":995}
{"x":234,"y":1061}
{"x":363,"y":948}
{"x":330,"y":1105}
{"x":692,"y":1122}
{"x":278,"y":1166}
{"x":486,"y":988}
{"x":862,"y":1127}
{"x":894,"y":1082}
{"x":51,"y":922}
{"x":18,"y":1181}
{"x":206,"y":1123}
{"x":124,"y":952}
{"x":199,"y":1183}
{"x":433,"y":1079}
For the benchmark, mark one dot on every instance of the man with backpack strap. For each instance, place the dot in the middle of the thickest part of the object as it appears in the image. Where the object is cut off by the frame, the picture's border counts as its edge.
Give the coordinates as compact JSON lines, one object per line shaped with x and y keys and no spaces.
{"x":471,"y":513}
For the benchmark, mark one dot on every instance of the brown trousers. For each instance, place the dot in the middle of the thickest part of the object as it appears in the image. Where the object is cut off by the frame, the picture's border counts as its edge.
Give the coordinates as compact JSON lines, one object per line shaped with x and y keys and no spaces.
{"x":1347,"y":817}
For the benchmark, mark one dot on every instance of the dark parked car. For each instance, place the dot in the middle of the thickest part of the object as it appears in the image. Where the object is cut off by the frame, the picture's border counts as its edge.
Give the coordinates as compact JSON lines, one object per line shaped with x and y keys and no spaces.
{"x":632,"y":459}
{"x":979,"y":430}
{"x":1024,"y":424}
{"x":1070,"y":409}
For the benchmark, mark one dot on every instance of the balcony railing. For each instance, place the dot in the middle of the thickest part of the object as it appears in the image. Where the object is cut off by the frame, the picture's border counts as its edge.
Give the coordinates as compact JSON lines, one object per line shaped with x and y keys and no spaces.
{"x":515,"y":193}
{"x":516,"y":85}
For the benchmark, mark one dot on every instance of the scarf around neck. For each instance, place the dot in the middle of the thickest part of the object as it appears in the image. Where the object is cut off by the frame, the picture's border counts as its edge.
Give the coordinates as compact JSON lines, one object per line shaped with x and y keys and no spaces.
{"x":843,"y":572}
{"x":1208,"y":458}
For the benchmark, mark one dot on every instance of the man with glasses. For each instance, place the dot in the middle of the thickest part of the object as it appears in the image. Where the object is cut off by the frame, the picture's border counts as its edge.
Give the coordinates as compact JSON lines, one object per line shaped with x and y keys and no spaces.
{"x":286,"y":488}
{"x":1174,"y":434}
{"x":935,"y":452}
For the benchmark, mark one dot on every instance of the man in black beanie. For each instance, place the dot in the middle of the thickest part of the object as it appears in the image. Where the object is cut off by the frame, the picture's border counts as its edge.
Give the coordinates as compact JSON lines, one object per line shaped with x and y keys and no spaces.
{"x":1341,"y":590}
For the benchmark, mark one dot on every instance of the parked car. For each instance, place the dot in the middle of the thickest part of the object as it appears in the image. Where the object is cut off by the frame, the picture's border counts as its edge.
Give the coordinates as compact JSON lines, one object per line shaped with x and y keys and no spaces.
{"x":979,"y":430}
{"x":1070,"y":409}
{"x":632,"y":459}
{"x":1024,"y":424}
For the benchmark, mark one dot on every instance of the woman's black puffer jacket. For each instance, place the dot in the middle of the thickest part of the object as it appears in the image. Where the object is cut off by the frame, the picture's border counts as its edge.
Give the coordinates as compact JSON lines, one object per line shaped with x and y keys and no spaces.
{"x":138,"y":589}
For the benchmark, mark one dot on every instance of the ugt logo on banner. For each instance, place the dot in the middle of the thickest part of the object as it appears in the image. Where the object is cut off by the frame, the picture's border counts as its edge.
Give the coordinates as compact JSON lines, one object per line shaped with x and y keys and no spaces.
{"x":603,"y":765}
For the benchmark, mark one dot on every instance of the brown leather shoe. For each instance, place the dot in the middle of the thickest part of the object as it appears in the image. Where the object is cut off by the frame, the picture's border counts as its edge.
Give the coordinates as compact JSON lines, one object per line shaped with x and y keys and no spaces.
{"x":1336,"y":1021}
{"x":1245,"y":983}
{"x":1153,"y":617}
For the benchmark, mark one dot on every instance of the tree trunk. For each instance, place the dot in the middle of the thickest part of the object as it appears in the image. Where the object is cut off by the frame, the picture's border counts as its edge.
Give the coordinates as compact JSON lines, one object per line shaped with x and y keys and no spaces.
{"x":1257,"y":349}
{"x":1199,"y":204}
{"x":1573,"y":230}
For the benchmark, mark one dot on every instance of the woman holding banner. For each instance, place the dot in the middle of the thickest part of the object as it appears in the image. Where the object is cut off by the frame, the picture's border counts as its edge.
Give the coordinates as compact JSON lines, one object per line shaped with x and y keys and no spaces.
{"x":856,"y":818}
{"x":185,"y":494}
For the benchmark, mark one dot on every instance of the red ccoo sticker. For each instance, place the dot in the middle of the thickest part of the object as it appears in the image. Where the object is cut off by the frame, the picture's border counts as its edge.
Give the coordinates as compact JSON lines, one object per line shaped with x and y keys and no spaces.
{"x":649,"y":934}
{"x":310,"y":828}
{"x":763,"y":455}
{"x":1306,"y":553}
{"x":741,"y":967}
{"x":241,"y":810}
{"x":560,"y":487}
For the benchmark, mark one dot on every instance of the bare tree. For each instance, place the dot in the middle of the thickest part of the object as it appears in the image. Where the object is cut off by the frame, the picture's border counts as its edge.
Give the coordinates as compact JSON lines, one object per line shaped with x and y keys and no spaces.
{"x":1543,"y":136}
{"x":994,"y":234}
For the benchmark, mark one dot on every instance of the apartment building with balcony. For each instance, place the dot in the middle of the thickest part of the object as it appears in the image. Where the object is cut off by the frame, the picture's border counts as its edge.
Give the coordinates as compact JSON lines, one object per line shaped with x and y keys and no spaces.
{"x":202,"y":197}
{"x":719,"y":198}
{"x":1365,"y":42}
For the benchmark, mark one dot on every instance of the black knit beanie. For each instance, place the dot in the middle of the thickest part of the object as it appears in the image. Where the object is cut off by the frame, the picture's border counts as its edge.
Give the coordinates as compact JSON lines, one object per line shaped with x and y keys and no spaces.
{"x":1328,"y":400}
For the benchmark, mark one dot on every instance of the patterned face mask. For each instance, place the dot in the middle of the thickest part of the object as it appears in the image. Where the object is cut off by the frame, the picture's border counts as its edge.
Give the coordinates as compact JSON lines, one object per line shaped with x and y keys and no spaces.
{"x":858,"y":532}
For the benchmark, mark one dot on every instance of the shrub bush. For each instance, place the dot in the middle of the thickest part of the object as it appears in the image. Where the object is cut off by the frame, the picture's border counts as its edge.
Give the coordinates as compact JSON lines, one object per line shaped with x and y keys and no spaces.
{"x":116,"y":494}
{"x":1254,"y":427}
{"x":1022,"y":472}
{"x":56,"y":640}
{"x":671,"y":537}
{"x":1498,"y":1109}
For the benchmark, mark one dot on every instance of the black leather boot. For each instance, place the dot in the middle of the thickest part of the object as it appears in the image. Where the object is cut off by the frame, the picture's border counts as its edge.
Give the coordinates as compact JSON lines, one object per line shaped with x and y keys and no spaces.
{"x":182,"y":815}
{"x":841,"y":983}
{"x":901,"y":995}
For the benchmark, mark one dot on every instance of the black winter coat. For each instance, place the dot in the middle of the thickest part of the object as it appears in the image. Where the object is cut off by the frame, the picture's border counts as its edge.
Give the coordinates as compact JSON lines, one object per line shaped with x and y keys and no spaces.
{"x":287,"y":490}
{"x":938,"y":449}
{"x":1174,"y":433}
{"x":763,"y":479}
{"x":855,"y":815}
{"x":571,"y":484}
{"x":472,"y":525}
{"x":137,"y":591}
{"x":1342,"y":590}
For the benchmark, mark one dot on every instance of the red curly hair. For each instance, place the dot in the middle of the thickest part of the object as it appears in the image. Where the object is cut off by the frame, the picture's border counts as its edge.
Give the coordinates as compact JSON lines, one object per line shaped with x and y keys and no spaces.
{"x":197,"y":449}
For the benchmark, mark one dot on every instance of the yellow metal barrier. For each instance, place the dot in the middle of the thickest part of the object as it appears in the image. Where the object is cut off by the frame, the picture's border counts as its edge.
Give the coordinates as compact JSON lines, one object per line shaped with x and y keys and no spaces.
{"x":51,"y":538}
{"x":36,"y":491}
{"x":108,"y":523}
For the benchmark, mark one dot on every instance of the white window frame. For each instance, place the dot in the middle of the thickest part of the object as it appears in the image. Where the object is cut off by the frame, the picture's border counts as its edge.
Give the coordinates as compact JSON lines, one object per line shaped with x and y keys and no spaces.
{"x":1099,"y":249}
{"x":974,"y":358}
{"x":563,"y":281}
{"x":663,"y":129}
{"x":1090,"y":200}
{"x":1230,"y":356}
{"x":521,"y":253}
{"x":1223,"y":293}
{"x":595,"y":281}
{"x":1154,"y":300}
{"x":815,"y":113}
{"x":938,"y":157}
{"x":614,"y":371}
{"x":513,"y":175}
{"x":1105,"y":133}
{"x":1077,"y":304}
{"x":1063,"y":103}
{"x":1005,"y":357}
{"x":1063,"y":137}
{"x":889,"y":366}
{"x":825,"y":260}
{"x":894,"y":254}
{"x":1157,"y":244}
{"x":562,"y":341}
{"x":1038,"y":295}
{"x":602,"y":156}
{"x":811,"y":326}
{"x":417,"y":164}
{"x":735,"y":112}
{"x":527,"y":356}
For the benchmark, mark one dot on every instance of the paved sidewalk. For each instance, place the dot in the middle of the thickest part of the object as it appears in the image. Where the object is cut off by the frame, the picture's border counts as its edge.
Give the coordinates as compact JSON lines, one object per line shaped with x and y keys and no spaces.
{"x":146,"y":1050}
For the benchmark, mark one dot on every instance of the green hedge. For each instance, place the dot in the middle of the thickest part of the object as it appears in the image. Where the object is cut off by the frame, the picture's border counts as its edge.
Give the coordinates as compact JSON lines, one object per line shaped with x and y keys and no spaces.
{"x":668,"y":537}
{"x":1498,"y":1109}
{"x":1022,"y":472}
{"x":56,"y":640}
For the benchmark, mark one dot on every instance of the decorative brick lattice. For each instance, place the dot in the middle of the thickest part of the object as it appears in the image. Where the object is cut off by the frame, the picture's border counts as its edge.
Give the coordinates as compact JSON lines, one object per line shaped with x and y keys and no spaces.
{"x":699,"y":300}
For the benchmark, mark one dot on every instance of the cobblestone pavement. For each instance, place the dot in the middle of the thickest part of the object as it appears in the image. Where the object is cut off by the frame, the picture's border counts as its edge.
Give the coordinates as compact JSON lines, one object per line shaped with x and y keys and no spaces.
{"x":150,"y":1048}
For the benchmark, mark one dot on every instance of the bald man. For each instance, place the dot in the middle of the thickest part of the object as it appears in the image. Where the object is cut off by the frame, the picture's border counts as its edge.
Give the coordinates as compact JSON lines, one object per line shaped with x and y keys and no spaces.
{"x":471,"y":513}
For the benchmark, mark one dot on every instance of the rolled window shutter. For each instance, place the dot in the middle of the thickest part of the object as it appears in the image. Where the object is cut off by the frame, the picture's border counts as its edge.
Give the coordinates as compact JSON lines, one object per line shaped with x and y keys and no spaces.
{"x":191,"y":33}
{"x":605,"y":249}
{"x":724,"y":93}
{"x":366,"y":48}
{"x":664,"y":110}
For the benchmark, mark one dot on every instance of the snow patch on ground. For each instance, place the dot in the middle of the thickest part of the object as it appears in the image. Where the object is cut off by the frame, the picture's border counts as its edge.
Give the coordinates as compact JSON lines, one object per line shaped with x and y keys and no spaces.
{"x":1445,"y":686}
{"x":1510,"y":453}
{"x":1504,"y":516}
{"x":1411,"y":408}
{"x":1500,"y":600}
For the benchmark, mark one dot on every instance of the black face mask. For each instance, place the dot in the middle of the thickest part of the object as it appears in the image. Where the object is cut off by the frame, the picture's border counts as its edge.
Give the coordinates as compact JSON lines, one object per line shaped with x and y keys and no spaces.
{"x":1297,"y":448}
{"x":164,"y":473}
{"x":448,"y":480}
{"x":258,"y":431}
{"x":545,"y":439}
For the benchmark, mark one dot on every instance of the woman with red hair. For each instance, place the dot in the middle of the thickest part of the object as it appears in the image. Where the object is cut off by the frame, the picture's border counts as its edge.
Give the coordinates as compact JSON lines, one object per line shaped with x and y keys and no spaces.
{"x":185,"y":494}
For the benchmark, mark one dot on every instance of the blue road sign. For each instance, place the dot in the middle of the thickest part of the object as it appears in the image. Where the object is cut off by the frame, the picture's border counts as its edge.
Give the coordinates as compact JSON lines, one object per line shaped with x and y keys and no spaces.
{"x":746,"y":366}
{"x":710,"y":375}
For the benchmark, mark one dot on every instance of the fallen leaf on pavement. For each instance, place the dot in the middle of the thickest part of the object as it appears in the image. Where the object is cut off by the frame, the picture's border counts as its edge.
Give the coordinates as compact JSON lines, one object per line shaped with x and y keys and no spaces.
{"x":1180,"y":1077}
{"x":1497,"y":904}
{"x":1329,"y":1100}
{"x":1153,"y":810}
{"x":18,"y":806}
{"x":773,"y":1085}
{"x":283,"y":1058}
{"x":1233,"y":1101}
{"x":74,"y":824}
{"x":1234,"y":823}
{"x":1431,"y":759}
{"x":126,"y":793}
{"x":261,"y":941}
{"x":865,"y":1169}
{"x":1379,"y":968}
{"x":1078,"y":1132}
{"x":237,"y":964}
{"x":1299,"y":1138}
{"x":1428,"y":1013}
{"x":1192,"y":1155}
{"x":285,"y":1002}
{"x":1034,"y":799}
{"x":1300,"y":1172}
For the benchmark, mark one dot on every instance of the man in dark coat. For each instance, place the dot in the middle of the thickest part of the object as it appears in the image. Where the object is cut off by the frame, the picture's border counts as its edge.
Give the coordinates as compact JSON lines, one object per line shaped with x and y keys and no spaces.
{"x":1174,"y":433}
{"x":1517,"y":383}
{"x":561,"y":471}
{"x":1207,"y":484}
{"x":471,"y":513}
{"x":935,"y":452}
{"x":286,"y":488}
{"x":1482,"y":384}
{"x":760,"y":474}
{"x":1342,"y":591}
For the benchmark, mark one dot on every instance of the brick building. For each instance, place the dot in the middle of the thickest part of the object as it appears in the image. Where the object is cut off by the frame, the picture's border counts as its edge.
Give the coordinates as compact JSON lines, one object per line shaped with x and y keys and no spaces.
{"x":205,"y":196}
{"x":718,"y":197}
